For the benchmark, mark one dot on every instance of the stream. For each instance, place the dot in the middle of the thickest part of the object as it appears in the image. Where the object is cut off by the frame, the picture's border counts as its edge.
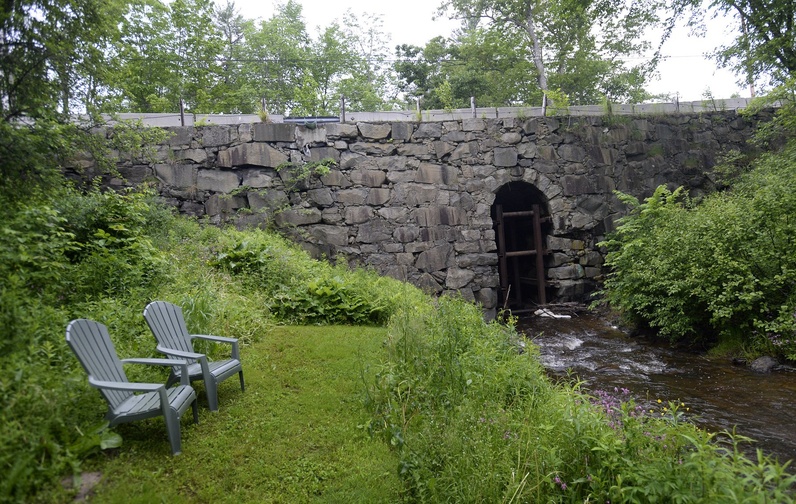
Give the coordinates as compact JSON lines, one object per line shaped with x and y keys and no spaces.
{"x":720,"y":395}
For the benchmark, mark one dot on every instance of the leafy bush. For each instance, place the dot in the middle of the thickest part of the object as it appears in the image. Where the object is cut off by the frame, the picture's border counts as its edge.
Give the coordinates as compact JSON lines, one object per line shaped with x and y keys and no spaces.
{"x":305,"y":291}
{"x":718,"y":268}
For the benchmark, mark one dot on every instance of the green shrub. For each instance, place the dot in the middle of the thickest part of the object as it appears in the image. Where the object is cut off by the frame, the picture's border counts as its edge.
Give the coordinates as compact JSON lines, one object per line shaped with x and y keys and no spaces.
{"x":305,"y":291}
{"x":717,"y":269}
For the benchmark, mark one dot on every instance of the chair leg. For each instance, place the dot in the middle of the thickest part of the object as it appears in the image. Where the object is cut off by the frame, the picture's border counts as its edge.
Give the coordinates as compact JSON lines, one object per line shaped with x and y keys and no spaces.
{"x":212,"y":394}
{"x":242,"y":386}
{"x":195,"y":407}
{"x":173,"y":428}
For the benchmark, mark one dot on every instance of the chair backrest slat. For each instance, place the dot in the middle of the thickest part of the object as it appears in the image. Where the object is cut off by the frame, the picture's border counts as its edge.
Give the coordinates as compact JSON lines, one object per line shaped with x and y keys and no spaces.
{"x":93,"y":347}
{"x":168,"y":325}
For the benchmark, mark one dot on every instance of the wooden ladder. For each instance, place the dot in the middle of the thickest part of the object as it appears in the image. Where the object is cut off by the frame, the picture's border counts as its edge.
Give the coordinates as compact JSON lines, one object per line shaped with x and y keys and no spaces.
{"x":504,"y":255}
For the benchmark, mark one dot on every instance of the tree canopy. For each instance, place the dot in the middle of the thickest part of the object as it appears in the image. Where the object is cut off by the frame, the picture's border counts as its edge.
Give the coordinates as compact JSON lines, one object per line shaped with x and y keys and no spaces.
{"x":764,"y":46}
{"x":584,"y":49}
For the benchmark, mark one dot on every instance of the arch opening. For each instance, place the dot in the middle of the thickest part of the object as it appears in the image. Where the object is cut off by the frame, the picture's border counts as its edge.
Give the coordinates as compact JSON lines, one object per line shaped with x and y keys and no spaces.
{"x":521,"y":220}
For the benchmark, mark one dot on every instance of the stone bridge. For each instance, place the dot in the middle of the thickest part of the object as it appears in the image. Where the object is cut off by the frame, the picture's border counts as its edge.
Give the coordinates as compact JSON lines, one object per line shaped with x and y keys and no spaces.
{"x":418,"y":201}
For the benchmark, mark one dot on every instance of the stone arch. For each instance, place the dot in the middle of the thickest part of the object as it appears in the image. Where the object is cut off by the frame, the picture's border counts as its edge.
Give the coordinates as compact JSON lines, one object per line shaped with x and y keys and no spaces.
{"x":521,"y":234}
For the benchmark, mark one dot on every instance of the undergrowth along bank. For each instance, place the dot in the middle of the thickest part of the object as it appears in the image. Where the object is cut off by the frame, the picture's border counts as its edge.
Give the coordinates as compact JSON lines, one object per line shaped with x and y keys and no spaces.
{"x":475,"y":419}
{"x":470,"y":417}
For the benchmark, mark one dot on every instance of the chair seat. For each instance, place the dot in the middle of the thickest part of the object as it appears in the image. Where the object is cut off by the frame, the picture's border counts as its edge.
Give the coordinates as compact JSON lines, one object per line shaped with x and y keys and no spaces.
{"x":220,"y":369}
{"x":139,"y":405}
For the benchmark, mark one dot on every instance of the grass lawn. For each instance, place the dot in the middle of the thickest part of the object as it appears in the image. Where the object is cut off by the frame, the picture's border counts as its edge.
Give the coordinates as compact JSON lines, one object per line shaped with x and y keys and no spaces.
{"x":292,"y":436}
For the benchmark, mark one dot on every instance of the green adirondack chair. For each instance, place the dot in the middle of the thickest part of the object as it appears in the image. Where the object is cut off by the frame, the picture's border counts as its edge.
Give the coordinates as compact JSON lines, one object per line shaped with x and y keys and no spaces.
{"x":168,"y":325}
{"x":127,"y":401}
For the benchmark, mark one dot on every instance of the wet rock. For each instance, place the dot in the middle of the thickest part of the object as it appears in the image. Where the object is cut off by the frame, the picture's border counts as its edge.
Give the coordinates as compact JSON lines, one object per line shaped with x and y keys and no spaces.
{"x":763,"y":364}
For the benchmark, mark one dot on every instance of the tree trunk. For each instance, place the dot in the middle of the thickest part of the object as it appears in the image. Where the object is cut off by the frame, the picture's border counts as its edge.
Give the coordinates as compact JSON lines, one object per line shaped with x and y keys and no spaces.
{"x":537,"y":51}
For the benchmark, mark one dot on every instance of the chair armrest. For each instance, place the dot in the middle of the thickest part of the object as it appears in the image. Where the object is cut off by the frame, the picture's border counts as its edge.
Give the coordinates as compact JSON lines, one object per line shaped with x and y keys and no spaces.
{"x":179,"y":353}
{"x":220,"y":339}
{"x":154,"y":362}
{"x":133,"y":387}
{"x":140,"y":387}
{"x":164,"y":362}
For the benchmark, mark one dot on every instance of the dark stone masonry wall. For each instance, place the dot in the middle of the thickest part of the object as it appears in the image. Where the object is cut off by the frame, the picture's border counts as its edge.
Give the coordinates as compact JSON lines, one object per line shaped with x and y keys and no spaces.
{"x":414,"y":200}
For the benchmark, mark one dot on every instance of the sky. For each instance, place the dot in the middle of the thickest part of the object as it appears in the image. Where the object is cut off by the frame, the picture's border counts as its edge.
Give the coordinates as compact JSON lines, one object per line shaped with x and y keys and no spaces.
{"x":687,"y":72}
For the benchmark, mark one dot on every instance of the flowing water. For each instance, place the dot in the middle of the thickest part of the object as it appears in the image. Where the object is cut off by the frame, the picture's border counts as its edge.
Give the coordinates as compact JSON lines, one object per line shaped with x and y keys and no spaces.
{"x":719,"y":395}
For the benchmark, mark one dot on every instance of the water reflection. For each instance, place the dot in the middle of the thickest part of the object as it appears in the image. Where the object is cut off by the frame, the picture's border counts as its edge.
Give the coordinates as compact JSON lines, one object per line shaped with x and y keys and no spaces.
{"x":720,"y":395}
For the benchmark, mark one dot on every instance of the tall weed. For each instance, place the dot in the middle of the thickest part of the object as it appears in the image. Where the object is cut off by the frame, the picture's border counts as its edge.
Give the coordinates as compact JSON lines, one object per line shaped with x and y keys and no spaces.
{"x":475,"y":420}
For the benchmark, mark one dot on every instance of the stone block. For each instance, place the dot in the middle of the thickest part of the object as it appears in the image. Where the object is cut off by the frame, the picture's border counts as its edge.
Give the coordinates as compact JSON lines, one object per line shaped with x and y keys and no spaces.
{"x":369,"y":178}
{"x":320,"y":153}
{"x":405,"y":258}
{"x":309,"y":136}
{"x":355,"y":196}
{"x":428,"y":284}
{"x":245,"y":133}
{"x":257,"y":179}
{"x":136,"y":174}
{"x":454,"y":137}
{"x":330,"y":235}
{"x":274,"y":132}
{"x":572,"y":153}
{"x":377,"y":231}
{"x":213,"y":136}
{"x":379,"y":149}
{"x":399,"y":215}
{"x":321,"y":197}
{"x":217,"y":181}
{"x":558,"y":243}
{"x":219,"y":204}
{"x":335,"y":178}
{"x":341,"y":130}
{"x":591,"y":258}
{"x":251,"y":154}
{"x":442,"y":149}
{"x":429,"y":173}
{"x":358,"y":215}
{"x":473,"y":124}
{"x":436,"y":216}
{"x":467,"y":247}
{"x":465,"y":151}
{"x":396,"y":163}
{"x":456,"y":278}
{"x":177,"y":175}
{"x":401,"y":131}
{"x":567,"y":272}
{"x":271,"y":199}
{"x":505,"y":156}
{"x":180,"y":135}
{"x":378,"y":196}
{"x":298,"y":217}
{"x":486,"y":297}
{"x":575,"y":185}
{"x":406,"y":234}
{"x":196,"y":155}
{"x":435,"y":259}
{"x":374,"y":131}
{"x":510,"y":138}
{"x":428,"y":130}
{"x":527,"y":150}
{"x":547,"y":153}
{"x":413,"y":149}
{"x":392,"y":247}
